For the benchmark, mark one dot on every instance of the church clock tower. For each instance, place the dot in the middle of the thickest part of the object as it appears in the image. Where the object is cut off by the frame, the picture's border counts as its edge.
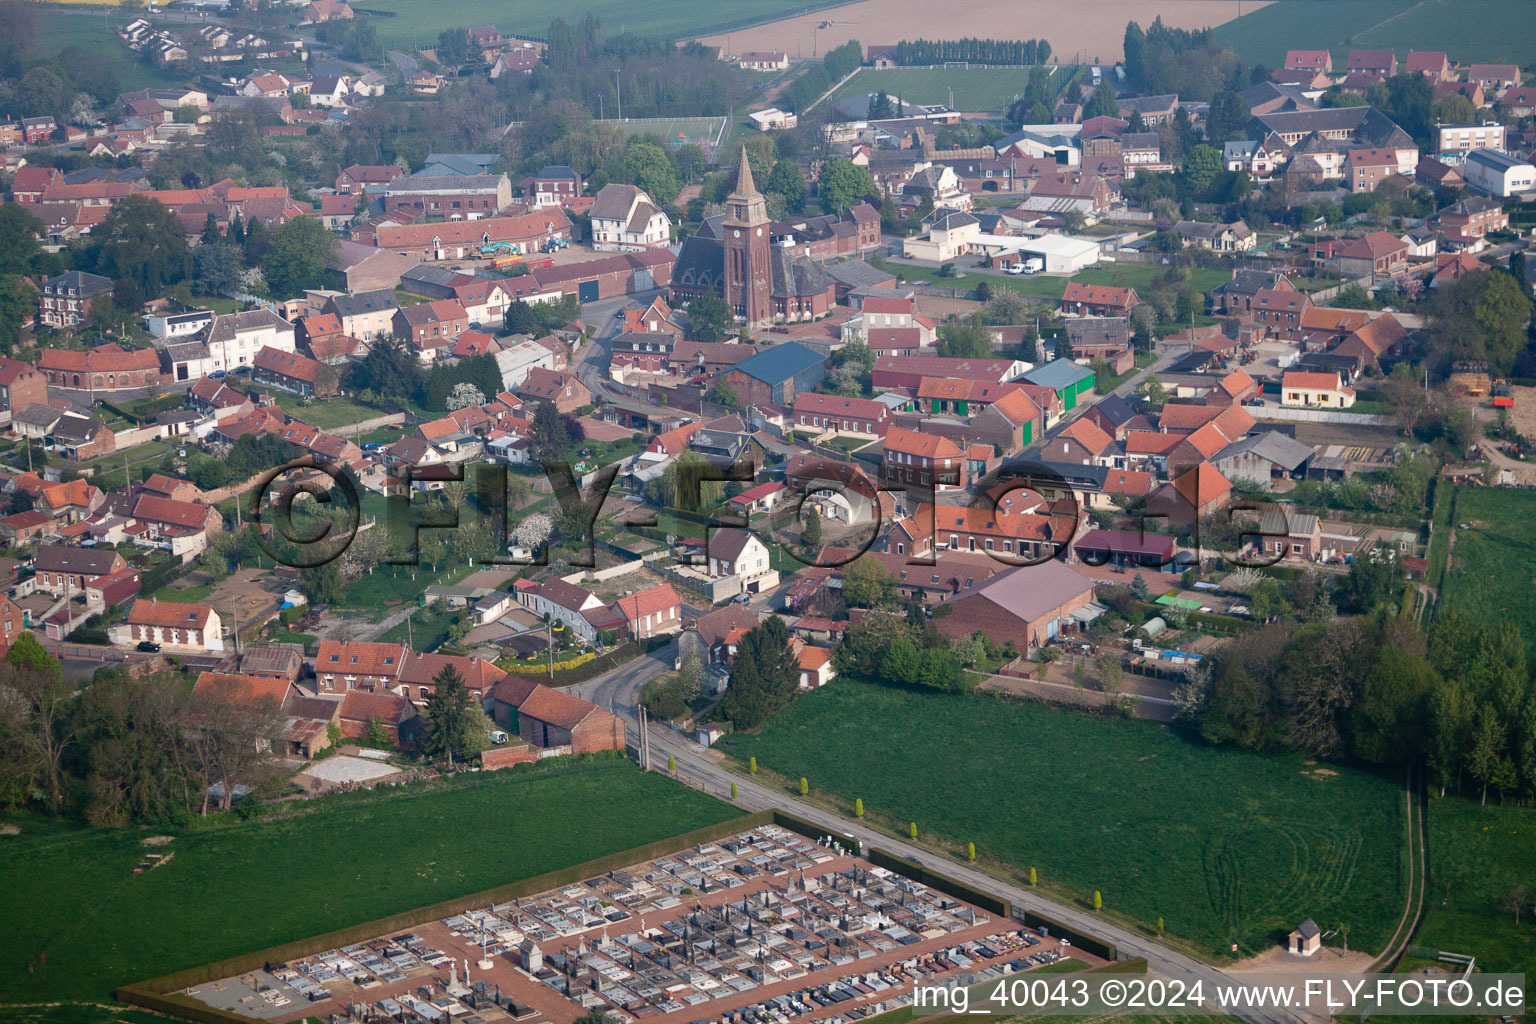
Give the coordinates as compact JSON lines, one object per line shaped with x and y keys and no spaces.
{"x":747,"y":255}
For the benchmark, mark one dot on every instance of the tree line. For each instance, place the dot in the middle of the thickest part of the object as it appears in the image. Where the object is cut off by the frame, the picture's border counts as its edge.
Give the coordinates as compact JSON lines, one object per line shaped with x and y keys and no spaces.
{"x":923,"y":52}
{"x":818,"y":78}
{"x":1375,"y":687}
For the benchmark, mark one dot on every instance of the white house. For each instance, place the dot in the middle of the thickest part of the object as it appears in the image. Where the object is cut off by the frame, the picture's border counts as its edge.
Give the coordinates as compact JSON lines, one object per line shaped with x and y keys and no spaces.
{"x":1304,"y":390}
{"x":184,"y":627}
{"x":562,"y":602}
{"x":737,"y":553}
{"x":625,"y":220}
{"x":1498,"y":173}
{"x":233,"y":339}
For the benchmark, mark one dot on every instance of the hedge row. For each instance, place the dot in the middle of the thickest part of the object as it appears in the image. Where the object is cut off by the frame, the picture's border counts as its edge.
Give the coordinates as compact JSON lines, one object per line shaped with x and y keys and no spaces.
{"x":945,"y":884}
{"x":1081,"y":939}
{"x":162,"y":993}
{"x":810,"y":830}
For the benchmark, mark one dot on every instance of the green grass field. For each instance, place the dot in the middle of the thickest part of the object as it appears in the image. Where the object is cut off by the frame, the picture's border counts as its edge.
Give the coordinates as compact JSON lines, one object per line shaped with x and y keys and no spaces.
{"x":241,"y":887}
{"x":975,"y":89}
{"x":76,"y":1013}
{"x":95,"y":29}
{"x":1493,"y":565}
{"x":676,"y":131}
{"x":1467,"y":30}
{"x":334,"y":414}
{"x":1124,"y":275}
{"x":417,"y":23}
{"x":1227,"y":847}
{"x":1479,"y":856}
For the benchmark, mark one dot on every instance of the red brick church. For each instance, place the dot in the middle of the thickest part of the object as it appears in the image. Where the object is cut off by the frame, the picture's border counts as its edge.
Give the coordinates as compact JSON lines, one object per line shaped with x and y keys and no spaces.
{"x":739,"y":256}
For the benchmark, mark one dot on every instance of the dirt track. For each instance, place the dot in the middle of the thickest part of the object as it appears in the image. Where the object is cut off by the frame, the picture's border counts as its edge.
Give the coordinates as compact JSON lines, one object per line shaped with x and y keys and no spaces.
{"x":1072,"y":32}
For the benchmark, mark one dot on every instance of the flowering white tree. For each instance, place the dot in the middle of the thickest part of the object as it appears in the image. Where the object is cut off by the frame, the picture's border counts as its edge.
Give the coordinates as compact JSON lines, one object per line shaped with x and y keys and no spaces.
{"x":463,"y":396}
{"x":533,"y":531}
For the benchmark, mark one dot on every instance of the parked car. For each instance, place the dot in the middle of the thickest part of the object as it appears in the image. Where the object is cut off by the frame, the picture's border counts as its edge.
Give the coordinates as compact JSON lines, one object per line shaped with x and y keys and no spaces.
{"x":148,"y":647}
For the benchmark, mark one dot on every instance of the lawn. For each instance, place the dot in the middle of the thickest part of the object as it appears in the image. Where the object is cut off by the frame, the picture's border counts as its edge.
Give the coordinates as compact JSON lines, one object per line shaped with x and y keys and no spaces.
{"x":426,"y":629}
{"x":417,"y":24}
{"x":95,"y":30}
{"x":1124,"y":275}
{"x":389,"y":588}
{"x":330,"y":414}
{"x":184,"y":594}
{"x":1227,"y":847}
{"x":973,"y":89}
{"x":1493,"y":564}
{"x":1468,"y":30}
{"x":1479,"y":856}
{"x":239,"y":887}
{"x":675,"y":131}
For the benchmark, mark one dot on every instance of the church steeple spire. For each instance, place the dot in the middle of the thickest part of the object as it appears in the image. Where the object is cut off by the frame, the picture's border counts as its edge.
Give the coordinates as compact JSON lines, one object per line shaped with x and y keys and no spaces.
{"x":745,"y":188}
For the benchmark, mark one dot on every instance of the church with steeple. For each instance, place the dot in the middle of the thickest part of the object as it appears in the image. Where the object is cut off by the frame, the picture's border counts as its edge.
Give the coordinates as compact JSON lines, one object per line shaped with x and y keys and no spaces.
{"x":755,"y":267}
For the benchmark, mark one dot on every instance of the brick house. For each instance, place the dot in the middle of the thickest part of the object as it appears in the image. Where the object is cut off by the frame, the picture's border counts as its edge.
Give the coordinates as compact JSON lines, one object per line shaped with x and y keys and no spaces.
{"x":924,"y":459}
{"x":79,"y":438}
{"x":1098,"y":300}
{"x":290,"y":371}
{"x":65,"y":301}
{"x":61,"y":570}
{"x":106,"y":368}
{"x":556,"y":185}
{"x":1280,"y":312}
{"x":1467,"y":221}
{"x":859,"y":417}
{"x":361,"y":710}
{"x":431,"y":326}
{"x":1378,"y":254}
{"x":356,"y":665}
{"x":171,"y":624}
{"x":21,"y":385}
{"x":565,"y":390}
{"x":1431,"y":64}
{"x":1365,"y":169}
{"x":1376,"y":63}
{"x":651,"y":612}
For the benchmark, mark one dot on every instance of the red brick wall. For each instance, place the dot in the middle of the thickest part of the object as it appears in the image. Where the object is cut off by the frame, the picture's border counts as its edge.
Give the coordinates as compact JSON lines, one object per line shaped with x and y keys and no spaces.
{"x":600,"y":731}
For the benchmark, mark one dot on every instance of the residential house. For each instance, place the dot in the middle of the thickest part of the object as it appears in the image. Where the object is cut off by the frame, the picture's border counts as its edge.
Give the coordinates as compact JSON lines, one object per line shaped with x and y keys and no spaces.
{"x":366,"y":315}
{"x":21,"y":385}
{"x":561,"y":602}
{"x":362,"y":712}
{"x":1379,"y":254}
{"x":1431,"y":64}
{"x":1494,"y":78}
{"x":343,"y":665}
{"x":431,"y":327}
{"x":65,"y":300}
{"x":79,"y":438}
{"x":233,"y":339}
{"x":1098,"y":300}
{"x":1366,"y":169}
{"x":1234,"y":296}
{"x":1280,"y":312}
{"x":289,"y":371}
{"x":738,"y":553}
{"x":1233,"y":237}
{"x":1300,"y":389}
{"x":1195,"y":493}
{"x":1375,"y":63}
{"x":62,"y":571}
{"x":651,"y":612}
{"x":625,"y":219}
{"x":924,"y":459}
{"x":856,"y":417}
{"x":565,"y":390}
{"x":182,"y":627}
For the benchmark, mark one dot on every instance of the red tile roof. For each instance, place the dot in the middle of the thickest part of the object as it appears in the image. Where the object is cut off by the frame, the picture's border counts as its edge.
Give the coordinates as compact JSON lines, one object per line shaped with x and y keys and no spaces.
{"x":648,"y":602}
{"x":930,"y":446}
{"x":242,"y":687}
{"x":170,"y":614}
